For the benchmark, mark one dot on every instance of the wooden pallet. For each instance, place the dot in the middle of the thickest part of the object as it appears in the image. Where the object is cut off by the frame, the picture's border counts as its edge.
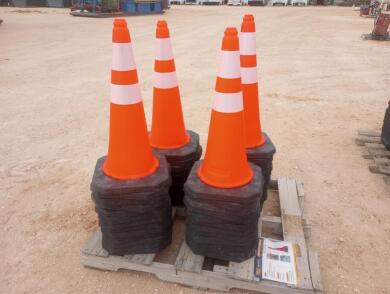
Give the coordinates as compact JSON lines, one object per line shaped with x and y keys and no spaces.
{"x":197,"y":271}
{"x":375,"y":151}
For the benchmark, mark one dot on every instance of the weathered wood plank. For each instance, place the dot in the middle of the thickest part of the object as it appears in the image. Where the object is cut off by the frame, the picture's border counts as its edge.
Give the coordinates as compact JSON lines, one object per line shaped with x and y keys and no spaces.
{"x":362,"y":140}
{"x":220,"y":269}
{"x":186,"y":260}
{"x":379,"y":152}
{"x":141,"y":258}
{"x":103,"y":252}
{"x":306,"y":230}
{"x":92,"y":243}
{"x":375,"y":146}
{"x":369,"y":133}
{"x":242,"y":270}
{"x":382,"y":161}
{"x":98,"y":262}
{"x":204,"y":279}
{"x":293,"y":230}
{"x":315,"y":271}
{"x":98,"y":248}
{"x":288,"y":196}
{"x":384,"y":170}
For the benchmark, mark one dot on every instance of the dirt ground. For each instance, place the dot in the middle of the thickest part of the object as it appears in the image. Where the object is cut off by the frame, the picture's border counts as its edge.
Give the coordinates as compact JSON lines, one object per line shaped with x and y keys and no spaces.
{"x":319,"y":83}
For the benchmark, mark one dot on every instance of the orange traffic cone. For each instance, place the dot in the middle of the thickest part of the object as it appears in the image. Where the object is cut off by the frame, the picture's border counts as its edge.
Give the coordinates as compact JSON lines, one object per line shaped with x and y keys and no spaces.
{"x":129,"y":153}
{"x":252,"y":126}
{"x":225,"y":164}
{"x":168,"y":130}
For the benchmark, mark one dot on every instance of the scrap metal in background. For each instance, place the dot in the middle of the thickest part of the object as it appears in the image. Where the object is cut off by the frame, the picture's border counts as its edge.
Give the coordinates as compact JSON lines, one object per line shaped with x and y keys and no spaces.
{"x":110,"y":8}
{"x":381,"y":23}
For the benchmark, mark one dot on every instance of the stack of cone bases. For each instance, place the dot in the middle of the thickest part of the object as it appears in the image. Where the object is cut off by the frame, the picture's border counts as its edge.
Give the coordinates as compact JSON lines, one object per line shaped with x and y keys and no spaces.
{"x":223,"y":192}
{"x":168,"y":135}
{"x":130,"y":185}
{"x":260,"y":149}
{"x":385,"y":135}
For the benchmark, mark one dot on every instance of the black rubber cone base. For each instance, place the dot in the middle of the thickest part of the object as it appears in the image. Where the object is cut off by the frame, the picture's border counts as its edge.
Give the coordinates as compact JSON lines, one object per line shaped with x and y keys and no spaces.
{"x":134,"y":215}
{"x":223,"y":223}
{"x":263,"y":156}
{"x":181,"y":161}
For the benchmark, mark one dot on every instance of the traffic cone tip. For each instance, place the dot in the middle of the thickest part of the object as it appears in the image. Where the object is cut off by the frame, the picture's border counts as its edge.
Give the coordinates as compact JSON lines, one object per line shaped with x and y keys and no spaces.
{"x":162,"y":30}
{"x":248,"y":23}
{"x":120,"y":32}
{"x":230,"y":40}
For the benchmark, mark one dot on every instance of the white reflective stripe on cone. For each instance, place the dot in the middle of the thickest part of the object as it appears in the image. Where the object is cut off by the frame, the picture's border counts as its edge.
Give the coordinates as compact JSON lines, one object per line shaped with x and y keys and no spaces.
{"x":122,"y":57}
{"x":228,"y":102}
{"x":229,"y":65}
{"x":248,"y":43}
{"x":248,"y":75}
{"x":125,"y":94}
{"x":165,"y":80}
{"x":164,"y":49}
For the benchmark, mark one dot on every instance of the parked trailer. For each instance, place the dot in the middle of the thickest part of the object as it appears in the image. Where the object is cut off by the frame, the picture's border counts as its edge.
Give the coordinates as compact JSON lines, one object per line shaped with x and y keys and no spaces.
{"x":209,"y":2}
{"x":237,"y":2}
{"x":257,"y":2}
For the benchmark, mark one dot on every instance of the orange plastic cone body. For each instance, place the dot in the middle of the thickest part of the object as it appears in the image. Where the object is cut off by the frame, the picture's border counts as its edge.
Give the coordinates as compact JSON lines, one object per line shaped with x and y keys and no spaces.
{"x":168,"y":130}
{"x":252,"y":126}
{"x":225,"y":164}
{"x":129,"y":152}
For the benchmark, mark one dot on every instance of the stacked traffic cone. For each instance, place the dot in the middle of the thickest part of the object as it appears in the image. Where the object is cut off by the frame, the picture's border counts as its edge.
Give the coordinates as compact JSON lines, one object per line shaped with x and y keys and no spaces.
{"x":130,"y":185}
{"x":168,"y":135}
{"x":260,"y":149}
{"x":223,"y":192}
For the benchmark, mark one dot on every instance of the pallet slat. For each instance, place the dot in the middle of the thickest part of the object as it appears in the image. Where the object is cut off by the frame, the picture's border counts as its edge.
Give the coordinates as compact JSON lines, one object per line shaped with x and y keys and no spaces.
{"x":375,"y":146}
{"x":188,"y":261}
{"x":376,"y":151}
{"x":92,"y":243}
{"x":361,"y":140}
{"x":98,"y":248}
{"x":385,"y":170}
{"x":141,"y":258}
{"x":293,"y":230}
{"x":315,"y":271}
{"x":242,"y":270}
{"x":288,"y":197}
{"x":369,"y":133}
{"x":382,"y":161}
{"x":379,"y":152}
